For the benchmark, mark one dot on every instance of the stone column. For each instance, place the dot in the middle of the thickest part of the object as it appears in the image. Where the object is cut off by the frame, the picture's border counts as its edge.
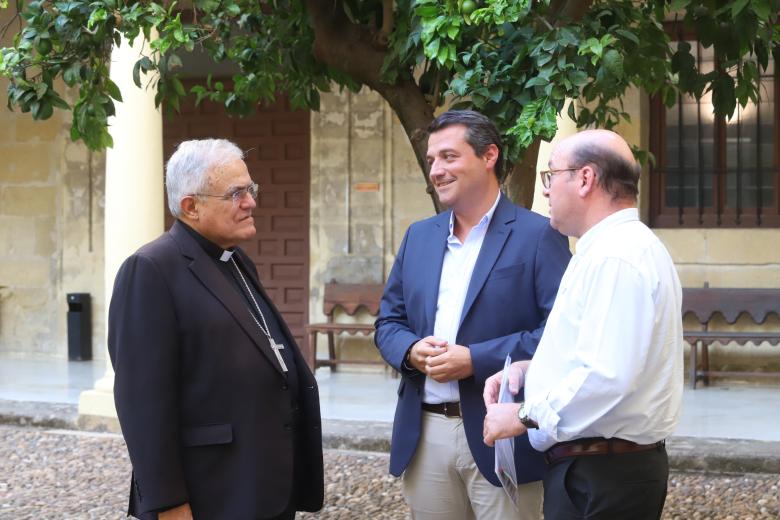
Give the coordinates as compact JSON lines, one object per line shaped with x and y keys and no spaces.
{"x":566,"y":128}
{"x":134,"y":201}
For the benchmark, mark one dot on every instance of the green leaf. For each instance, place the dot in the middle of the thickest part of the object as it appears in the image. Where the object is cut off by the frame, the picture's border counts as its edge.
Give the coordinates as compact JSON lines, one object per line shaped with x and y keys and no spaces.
{"x":441,"y":57}
{"x":723,"y":95}
{"x":762,"y":10}
{"x":71,"y":75}
{"x":57,"y":101}
{"x":41,"y":89}
{"x":679,"y":5}
{"x":432,"y":49}
{"x":613,"y":63}
{"x":113,"y":90}
{"x":426,"y":11}
{"x":737,"y":6}
{"x":178,"y":87}
{"x":137,"y":73}
{"x":535,"y":81}
{"x":628,"y":35}
{"x":97,"y":16}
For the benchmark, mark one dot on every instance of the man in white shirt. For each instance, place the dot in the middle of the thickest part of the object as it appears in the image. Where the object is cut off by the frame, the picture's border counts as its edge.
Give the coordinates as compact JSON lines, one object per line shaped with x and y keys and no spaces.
{"x":468,"y":287}
{"x":604,"y":388}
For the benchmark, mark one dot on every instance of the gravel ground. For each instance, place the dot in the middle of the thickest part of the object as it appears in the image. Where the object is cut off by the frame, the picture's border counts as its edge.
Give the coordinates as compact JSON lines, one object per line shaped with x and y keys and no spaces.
{"x":55,"y":474}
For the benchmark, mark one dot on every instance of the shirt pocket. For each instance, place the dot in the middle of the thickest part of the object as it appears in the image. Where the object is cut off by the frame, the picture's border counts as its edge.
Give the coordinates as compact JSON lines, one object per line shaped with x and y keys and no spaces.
{"x":207,"y":435}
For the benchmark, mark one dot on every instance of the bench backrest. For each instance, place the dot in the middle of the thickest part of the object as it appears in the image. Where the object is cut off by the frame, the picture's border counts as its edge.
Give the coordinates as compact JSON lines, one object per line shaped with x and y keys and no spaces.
{"x":703,"y":302}
{"x":351,"y":297}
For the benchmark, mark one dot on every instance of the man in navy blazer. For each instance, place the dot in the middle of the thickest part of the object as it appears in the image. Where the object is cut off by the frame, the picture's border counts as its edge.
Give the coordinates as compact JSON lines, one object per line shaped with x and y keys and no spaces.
{"x":468,"y":287}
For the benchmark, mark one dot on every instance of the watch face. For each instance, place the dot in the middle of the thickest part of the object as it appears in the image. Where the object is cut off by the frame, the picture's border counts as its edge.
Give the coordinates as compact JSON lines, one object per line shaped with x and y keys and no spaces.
{"x":521,"y":413}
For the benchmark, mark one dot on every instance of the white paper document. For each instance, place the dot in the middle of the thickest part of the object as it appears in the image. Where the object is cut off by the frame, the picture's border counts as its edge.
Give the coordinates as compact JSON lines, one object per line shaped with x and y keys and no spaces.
{"x":505,"y":448}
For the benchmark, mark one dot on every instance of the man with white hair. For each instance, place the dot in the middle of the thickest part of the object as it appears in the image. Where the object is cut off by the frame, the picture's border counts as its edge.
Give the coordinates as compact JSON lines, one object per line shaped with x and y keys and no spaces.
{"x":217,"y":406}
{"x":604,"y":388}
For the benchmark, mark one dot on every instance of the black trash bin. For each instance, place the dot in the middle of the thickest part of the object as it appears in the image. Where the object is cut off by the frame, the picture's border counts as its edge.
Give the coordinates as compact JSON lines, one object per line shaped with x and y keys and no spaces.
{"x":79,"y":327}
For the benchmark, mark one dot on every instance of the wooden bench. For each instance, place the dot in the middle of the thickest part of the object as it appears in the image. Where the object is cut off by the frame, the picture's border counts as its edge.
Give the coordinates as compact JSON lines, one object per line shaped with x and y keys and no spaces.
{"x":705,"y":302}
{"x":350,"y":298}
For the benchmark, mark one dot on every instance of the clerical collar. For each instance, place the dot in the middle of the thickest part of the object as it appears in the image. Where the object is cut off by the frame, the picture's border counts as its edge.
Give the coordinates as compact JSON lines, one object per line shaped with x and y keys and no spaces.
{"x":211,"y":249}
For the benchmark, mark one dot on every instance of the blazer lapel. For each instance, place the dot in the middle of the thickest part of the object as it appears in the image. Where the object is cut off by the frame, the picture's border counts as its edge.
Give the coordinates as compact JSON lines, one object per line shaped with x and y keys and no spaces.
{"x":430,"y":271}
{"x":204,"y":269}
{"x":497,"y":233}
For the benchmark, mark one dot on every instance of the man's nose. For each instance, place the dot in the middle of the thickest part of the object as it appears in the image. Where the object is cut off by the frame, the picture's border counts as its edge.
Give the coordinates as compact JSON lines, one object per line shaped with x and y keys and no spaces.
{"x":247,"y":202}
{"x":434,"y":170}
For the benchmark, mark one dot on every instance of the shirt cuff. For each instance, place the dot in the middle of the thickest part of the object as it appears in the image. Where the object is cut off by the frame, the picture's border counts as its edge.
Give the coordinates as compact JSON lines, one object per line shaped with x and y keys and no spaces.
{"x":540,"y":411}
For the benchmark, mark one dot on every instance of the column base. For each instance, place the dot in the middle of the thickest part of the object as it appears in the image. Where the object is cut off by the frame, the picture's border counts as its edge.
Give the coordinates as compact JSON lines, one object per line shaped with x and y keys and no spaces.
{"x":96,"y":407}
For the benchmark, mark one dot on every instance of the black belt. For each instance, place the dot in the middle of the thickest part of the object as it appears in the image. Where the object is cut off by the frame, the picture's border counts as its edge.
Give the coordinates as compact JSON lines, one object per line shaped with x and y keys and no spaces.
{"x":596,"y":446}
{"x":446,"y":409}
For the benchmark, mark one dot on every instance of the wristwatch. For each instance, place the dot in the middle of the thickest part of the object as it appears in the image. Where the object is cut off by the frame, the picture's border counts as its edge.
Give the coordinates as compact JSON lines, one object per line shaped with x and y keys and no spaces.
{"x":522,"y":414}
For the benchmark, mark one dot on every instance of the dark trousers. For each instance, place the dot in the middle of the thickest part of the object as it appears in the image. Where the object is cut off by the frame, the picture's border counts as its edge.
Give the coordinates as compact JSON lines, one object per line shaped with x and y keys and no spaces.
{"x":607,"y":487}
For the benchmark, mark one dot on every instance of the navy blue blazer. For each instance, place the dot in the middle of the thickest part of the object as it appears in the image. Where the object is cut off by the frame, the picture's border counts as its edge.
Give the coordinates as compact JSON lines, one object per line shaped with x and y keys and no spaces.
{"x":510,"y":295}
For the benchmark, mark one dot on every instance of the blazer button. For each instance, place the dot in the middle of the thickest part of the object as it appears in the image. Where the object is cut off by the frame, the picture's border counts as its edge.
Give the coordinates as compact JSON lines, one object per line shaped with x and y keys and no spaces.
{"x":287,"y":427}
{"x":284,"y":387}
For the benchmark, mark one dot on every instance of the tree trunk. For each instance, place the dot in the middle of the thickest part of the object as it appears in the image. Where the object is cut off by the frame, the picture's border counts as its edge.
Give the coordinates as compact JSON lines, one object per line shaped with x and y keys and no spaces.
{"x":350,"y":49}
{"x":521,"y":181}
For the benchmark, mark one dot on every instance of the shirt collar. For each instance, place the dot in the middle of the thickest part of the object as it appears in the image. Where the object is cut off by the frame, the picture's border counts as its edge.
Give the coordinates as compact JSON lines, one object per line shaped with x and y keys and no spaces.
{"x":592,"y":235}
{"x":211,"y":249}
{"x":483,"y":222}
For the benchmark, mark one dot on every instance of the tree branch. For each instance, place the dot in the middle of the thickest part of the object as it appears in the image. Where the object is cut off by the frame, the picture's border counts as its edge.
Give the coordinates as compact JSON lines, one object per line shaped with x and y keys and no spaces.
{"x":346,"y":47}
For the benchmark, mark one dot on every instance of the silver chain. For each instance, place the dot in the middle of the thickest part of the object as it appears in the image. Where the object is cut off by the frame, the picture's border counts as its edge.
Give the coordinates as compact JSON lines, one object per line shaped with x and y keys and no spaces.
{"x":265,"y":329}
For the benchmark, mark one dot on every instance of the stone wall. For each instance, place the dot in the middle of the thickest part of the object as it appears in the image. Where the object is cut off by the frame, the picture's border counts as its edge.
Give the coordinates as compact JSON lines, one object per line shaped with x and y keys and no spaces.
{"x":51,"y":233}
{"x":354,"y":235}
{"x":366,"y":188}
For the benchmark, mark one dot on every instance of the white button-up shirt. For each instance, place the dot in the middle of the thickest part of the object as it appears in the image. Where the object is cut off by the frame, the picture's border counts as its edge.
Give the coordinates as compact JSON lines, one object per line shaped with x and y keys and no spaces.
{"x":456,"y":270}
{"x":610,"y":361}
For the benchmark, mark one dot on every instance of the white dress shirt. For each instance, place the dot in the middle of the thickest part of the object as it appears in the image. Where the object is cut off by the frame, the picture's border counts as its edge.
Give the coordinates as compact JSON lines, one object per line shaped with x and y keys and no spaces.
{"x":456,"y":270}
{"x":610,"y":361}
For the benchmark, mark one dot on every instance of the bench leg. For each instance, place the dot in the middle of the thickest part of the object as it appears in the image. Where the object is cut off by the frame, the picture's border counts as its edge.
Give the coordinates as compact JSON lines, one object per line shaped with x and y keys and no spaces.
{"x":705,"y":363}
{"x":692,"y":363}
{"x":332,"y":351}
{"x":311,"y":355}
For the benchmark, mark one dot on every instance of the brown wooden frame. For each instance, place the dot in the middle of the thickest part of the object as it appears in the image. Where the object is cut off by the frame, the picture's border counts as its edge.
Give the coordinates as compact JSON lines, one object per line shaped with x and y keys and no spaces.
{"x":717,"y":215}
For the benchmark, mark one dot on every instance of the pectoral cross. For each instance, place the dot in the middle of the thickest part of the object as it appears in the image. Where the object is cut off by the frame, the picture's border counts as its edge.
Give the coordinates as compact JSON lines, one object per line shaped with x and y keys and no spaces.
{"x":276,"y":348}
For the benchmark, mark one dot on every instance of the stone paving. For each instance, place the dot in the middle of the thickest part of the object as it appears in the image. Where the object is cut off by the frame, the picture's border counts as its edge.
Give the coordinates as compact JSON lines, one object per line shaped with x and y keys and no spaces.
{"x":57,"y":474}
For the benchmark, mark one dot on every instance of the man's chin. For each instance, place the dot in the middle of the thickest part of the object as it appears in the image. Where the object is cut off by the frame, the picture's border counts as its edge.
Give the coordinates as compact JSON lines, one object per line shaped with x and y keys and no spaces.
{"x":248,"y":233}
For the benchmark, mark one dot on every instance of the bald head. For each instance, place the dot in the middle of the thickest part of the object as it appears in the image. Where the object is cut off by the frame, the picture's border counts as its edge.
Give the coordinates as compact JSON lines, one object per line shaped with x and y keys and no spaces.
{"x":617,"y":170}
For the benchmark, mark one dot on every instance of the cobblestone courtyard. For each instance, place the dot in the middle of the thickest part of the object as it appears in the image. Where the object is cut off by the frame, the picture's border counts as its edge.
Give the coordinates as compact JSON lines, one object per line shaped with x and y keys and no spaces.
{"x":47,"y":474}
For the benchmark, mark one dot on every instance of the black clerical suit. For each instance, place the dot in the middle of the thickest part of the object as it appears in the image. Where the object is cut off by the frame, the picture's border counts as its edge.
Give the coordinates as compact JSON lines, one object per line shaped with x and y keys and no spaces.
{"x":208,"y":415}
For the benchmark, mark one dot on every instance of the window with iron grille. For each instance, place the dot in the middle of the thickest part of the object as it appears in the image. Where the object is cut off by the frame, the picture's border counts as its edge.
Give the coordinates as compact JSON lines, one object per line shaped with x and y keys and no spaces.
{"x":712,"y":172}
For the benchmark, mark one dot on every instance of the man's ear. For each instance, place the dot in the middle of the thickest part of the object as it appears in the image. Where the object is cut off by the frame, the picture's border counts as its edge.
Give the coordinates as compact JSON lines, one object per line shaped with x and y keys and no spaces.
{"x":588,"y":181}
{"x":491,"y":156}
{"x":189,"y":207}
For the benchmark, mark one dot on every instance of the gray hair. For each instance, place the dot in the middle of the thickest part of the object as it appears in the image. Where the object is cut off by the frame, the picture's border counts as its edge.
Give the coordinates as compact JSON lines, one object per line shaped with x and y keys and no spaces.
{"x":188,"y":168}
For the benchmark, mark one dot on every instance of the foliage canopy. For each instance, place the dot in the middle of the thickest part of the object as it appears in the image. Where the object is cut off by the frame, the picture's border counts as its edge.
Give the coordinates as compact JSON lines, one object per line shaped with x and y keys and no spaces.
{"x":517,"y":61}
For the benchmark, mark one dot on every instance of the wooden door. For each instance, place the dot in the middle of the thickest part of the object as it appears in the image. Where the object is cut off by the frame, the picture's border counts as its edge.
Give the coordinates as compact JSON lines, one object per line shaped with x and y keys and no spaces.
{"x":276,"y":141}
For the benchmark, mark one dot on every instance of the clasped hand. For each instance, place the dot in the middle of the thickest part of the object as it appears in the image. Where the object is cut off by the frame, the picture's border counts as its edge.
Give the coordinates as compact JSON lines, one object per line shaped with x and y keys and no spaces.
{"x":441,"y":361}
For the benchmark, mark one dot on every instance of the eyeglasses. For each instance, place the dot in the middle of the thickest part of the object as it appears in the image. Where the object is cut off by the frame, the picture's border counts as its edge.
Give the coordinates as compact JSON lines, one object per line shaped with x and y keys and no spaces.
{"x":235,"y":194}
{"x":547,"y":175}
